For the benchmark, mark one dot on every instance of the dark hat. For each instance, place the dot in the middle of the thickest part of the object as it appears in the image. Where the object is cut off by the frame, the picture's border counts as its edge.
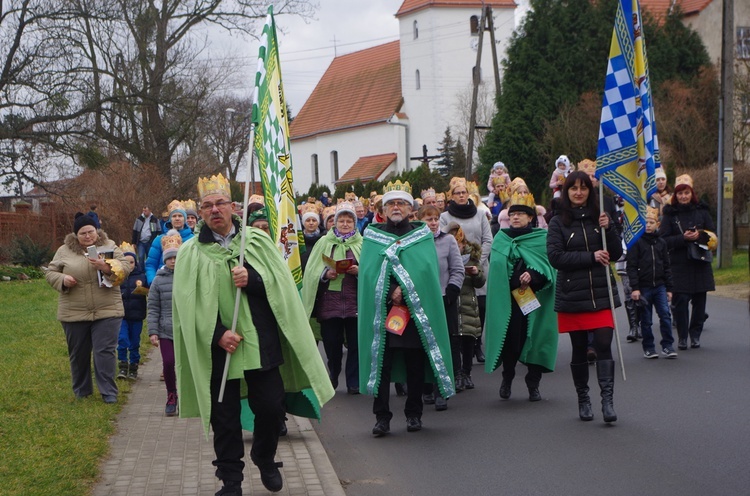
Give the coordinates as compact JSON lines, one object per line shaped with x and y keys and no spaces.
{"x":81,"y":220}
{"x":521,"y":208}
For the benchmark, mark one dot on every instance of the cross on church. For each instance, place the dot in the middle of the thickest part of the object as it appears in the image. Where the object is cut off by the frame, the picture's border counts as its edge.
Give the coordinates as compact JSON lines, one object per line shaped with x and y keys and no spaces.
{"x":425,"y":159}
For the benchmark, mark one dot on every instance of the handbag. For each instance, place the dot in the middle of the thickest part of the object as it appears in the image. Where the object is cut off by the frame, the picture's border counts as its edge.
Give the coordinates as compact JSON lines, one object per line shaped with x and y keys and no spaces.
{"x":696,"y":251}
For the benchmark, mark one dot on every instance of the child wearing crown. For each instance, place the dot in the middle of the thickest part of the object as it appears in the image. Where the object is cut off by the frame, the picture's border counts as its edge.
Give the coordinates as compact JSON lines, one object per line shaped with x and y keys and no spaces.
{"x":160,"y":317}
{"x":134,"y":303}
{"x":650,"y":278}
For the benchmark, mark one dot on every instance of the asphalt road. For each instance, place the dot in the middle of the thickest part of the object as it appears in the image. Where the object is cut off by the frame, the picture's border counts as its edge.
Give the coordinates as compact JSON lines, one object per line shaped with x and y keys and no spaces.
{"x":683,"y":429}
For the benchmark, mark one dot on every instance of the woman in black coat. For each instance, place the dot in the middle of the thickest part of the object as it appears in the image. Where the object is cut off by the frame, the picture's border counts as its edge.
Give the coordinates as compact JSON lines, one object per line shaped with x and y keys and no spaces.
{"x":575,"y":248}
{"x":686,"y":221}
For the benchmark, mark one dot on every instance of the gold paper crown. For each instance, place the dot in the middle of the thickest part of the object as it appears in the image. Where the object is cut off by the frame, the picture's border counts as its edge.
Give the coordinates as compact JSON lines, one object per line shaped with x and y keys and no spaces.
{"x":375,"y":199}
{"x":345,"y":206}
{"x":308,"y":207}
{"x":426,"y":193}
{"x":652,"y":213}
{"x":397,"y":186}
{"x":525,"y":199}
{"x":216,"y":185}
{"x":328,"y":211}
{"x":126,"y":247}
{"x":440,"y":196}
{"x":713,"y":241}
{"x":587,"y":165}
{"x":498,"y":180}
{"x":256,"y":199}
{"x":350,"y":196}
{"x":517,"y":183}
{"x":684,"y":179}
{"x":175,"y":205}
{"x":170,"y":242}
{"x":419,"y":201}
{"x":472,"y":188}
{"x":456,"y":182}
{"x":190,"y":205}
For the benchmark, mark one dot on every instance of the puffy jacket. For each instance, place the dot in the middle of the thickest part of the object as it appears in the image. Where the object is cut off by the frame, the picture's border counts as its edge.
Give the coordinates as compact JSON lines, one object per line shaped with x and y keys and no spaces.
{"x":86,"y":301}
{"x":154,"y":261}
{"x":469,"y":322}
{"x":160,"y":304}
{"x":648,"y":263}
{"x":134,"y":305}
{"x":689,"y":276}
{"x":337,"y":304}
{"x":581,"y":280}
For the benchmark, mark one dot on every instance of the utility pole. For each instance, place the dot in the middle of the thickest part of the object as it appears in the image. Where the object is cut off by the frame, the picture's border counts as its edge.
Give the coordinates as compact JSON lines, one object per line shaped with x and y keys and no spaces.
{"x":725,"y":167}
{"x":486,"y":23}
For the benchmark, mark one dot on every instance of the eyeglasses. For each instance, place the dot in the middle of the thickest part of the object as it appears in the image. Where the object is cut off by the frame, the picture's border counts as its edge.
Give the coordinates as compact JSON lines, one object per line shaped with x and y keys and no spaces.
{"x":210,"y":206}
{"x":87,"y":233}
{"x":460,"y":192}
{"x":397,"y":203}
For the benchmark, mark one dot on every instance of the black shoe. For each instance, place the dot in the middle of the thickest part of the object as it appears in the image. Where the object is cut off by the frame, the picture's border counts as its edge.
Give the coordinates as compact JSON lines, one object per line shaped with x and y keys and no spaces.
{"x":695,"y":343}
{"x":352,"y":390}
{"x":413,"y":424}
{"x":468,"y":383}
{"x":122,"y":373}
{"x":534,"y":394}
{"x":632,"y":335}
{"x":479,"y":354}
{"x":505,"y":389}
{"x":428,"y":399}
{"x":382,"y":427}
{"x":230,"y":488}
{"x":682,"y":344}
{"x":133,"y":371}
{"x":441,"y":403}
{"x":283,"y":431}
{"x":270,"y":476}
{"x":400,"y":389}
{"x":460,"y":382}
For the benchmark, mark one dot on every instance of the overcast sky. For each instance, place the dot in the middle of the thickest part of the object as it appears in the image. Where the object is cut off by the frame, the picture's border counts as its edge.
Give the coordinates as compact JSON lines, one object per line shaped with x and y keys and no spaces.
{"x":307,"y":49}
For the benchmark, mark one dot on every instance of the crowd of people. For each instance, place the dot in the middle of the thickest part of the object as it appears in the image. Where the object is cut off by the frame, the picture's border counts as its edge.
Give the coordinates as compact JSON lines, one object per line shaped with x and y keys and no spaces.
{"x":411,"y":290}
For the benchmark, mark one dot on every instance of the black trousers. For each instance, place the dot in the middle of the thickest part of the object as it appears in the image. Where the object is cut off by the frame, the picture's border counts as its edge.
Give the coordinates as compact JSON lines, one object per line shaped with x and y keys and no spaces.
{"x":333,"y":332}
{"x":266,"y":400}
{"x":414,"y":359}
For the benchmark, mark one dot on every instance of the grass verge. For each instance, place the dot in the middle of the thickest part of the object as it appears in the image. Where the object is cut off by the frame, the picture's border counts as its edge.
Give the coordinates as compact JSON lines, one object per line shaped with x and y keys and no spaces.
{"x":50,"y":443}
{"x":737,"y":273}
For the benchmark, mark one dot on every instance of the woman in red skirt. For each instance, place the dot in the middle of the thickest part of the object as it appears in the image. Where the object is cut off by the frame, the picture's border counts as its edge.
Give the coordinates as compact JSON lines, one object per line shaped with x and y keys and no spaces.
{"x":576,"y":250}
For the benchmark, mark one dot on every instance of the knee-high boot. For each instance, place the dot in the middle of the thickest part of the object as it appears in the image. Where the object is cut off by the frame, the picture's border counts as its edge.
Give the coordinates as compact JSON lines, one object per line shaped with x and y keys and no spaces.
{"x":580,"y":373}
{"x":605,"y":371}
{"x":633,"y":320}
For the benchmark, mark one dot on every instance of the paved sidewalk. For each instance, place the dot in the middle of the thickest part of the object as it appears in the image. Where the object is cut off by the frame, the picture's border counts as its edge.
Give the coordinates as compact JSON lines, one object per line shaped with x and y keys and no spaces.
{"x":156,"y":455}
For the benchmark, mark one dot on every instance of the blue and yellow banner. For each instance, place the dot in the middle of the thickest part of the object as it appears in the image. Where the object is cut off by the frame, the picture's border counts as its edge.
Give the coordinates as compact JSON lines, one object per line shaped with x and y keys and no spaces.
{"x":628,"y":149}
{"x":272,"y":147}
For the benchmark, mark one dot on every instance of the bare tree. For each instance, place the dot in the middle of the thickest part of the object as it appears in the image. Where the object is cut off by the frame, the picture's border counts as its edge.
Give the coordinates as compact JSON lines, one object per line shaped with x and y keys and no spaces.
{"x":486,"y":109}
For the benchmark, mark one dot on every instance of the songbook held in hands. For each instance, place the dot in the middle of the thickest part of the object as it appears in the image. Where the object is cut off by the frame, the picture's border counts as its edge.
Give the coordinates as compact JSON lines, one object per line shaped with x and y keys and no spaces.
{"x":340,"y":266}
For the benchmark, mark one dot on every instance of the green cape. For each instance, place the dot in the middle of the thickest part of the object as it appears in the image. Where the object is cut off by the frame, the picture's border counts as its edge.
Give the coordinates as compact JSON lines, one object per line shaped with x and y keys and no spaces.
{"x":203,"y":289}
{"x":541,"y":338}
{"x":315,"y":264}
{"x":412,"y":260}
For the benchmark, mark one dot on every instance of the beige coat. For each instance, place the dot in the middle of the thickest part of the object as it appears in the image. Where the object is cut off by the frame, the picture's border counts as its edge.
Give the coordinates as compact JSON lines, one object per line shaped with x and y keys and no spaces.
{"x":85,"y":301}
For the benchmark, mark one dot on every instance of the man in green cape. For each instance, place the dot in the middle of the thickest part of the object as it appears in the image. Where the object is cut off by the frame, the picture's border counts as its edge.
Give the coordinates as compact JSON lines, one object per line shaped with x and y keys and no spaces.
{"x":399,"y":267}
{"x":518,"y":261}
{"x":273,"y":353}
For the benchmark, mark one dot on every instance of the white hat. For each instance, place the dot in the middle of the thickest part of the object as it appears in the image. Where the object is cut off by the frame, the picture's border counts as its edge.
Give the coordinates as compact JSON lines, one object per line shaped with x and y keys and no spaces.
{"x":397,"y":191}
{"x":310,"y":214}
{"x":564,"y":159}
{"x":659,"y":173}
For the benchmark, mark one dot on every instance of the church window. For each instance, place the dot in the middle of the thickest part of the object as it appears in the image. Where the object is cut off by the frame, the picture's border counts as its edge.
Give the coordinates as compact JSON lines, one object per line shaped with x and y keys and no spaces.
{"x":416,"y":30}
{"x":418,"y":82}
{"x":315,"y":170}
{"x":335,"y":165}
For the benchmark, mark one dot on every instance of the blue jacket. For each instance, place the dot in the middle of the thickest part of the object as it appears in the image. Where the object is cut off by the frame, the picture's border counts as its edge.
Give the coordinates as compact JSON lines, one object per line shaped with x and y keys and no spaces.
{"x":155,"y":260}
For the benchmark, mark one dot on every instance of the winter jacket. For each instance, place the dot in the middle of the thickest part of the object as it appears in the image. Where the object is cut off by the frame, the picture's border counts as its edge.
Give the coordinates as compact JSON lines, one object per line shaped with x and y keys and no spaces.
{"x":469,"y":323}
{"x":134,"y":304}
{"x":581,"y":280}
{"x":310,"y":240}
{"x":138,"y":226}
{"x":648,"y":263}
{"x":337,"y":304}
{"x":160,"y":304}
{"x":451,"y":264}
{"x":476,"y":230}
{"x":689,"y":276}
{"x":155,"y":260}
{"x":86,"y":301}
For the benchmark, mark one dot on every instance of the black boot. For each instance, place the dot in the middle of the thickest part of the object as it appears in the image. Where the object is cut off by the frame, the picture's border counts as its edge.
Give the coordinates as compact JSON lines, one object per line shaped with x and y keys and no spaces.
{"x":580,"y":373}
{"x":123,"y":370}
{"x":633,"y":319}
{"x":533,"y":378}
{"x":605,"y":371}
{"x":133,"y":371}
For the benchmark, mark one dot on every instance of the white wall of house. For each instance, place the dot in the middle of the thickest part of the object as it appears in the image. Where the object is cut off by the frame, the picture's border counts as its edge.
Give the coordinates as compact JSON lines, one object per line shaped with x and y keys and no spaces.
{"x":350,"y":145}
{"x":437,"y":44}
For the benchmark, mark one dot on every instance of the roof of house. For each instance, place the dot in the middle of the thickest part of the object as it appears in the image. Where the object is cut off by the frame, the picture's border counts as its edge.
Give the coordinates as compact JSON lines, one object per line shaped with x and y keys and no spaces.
{"x":357,"y":89}
{"x":410,"y":6}
{"x":368,"y":168}
{"x":659,"y":8}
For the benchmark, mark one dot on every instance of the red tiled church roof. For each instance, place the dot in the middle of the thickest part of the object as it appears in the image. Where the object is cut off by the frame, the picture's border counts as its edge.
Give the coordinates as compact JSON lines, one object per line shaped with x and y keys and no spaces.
{"x":659,"y":8}
{"x":368,"y":168}
{"x":357,"y":89}
{"x":410,"y":6}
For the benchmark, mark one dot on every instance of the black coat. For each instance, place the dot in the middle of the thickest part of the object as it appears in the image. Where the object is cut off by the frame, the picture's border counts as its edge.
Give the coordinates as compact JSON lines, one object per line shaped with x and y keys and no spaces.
{"x":581,"y":280}
{"x":689,"y":276}
{"x":648,"y":263}
{"x":135,"y":305}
